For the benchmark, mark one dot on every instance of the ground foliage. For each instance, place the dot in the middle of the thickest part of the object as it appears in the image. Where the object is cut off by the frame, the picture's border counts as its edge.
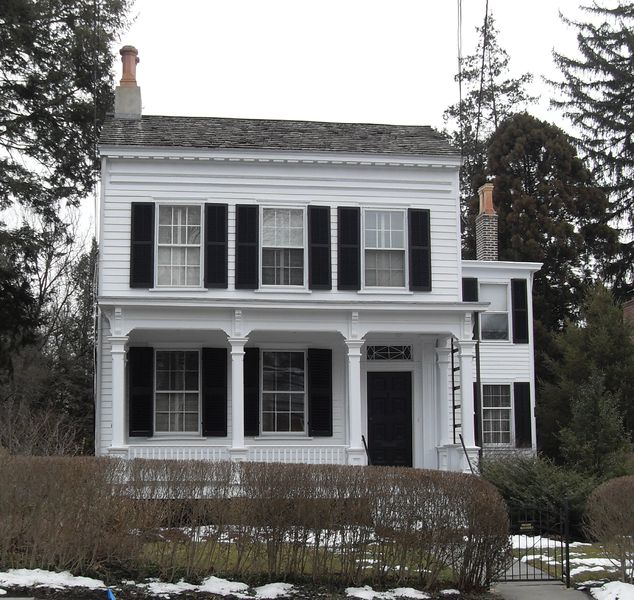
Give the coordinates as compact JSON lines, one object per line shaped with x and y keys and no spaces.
{"x":324,"y":524}
{"x":596,"y":95}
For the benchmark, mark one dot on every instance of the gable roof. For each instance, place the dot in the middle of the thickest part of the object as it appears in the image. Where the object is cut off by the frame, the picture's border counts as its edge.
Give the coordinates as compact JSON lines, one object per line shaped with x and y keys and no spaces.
{"x":266,"y":134}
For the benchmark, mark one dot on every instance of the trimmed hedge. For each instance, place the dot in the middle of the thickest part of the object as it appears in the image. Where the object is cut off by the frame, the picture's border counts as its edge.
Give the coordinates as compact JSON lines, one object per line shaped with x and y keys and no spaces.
{"x":324,"y":523}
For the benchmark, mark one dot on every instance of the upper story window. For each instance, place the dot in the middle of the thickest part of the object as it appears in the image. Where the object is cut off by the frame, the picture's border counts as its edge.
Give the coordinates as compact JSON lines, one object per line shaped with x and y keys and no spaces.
{"x":179,"y":246}
{"x":384,"y":239}
{"x":177,"y":396}
{"x":283,"y":246}
{"x":283,"y":392}
{"x":494,"y":323}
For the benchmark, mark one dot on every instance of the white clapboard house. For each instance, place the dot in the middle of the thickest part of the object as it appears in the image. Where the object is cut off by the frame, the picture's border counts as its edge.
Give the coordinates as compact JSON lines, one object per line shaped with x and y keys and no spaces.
{"x":294,"y":292}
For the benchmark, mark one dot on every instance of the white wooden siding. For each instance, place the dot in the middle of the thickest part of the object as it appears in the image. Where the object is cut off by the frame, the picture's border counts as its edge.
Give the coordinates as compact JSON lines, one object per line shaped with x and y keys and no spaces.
{"x":180,"y":181}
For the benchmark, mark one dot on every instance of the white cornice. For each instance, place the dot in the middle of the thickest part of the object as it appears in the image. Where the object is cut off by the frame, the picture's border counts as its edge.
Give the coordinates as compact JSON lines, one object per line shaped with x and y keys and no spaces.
{"x":279,"y":157}
{"x":501,"y":265}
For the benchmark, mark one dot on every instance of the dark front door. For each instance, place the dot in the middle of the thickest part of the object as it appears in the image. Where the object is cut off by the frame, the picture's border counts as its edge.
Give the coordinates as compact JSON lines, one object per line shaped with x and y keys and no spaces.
{"x":390,"y":419}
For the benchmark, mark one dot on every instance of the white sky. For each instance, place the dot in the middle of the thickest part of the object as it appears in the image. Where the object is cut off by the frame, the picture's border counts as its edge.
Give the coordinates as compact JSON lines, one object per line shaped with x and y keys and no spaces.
{"x":388,"y":61}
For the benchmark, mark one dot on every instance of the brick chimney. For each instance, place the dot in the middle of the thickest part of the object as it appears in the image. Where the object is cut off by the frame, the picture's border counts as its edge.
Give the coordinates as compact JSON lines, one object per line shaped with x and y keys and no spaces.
{"x":486,"y":226}
{"x":127,"y":95}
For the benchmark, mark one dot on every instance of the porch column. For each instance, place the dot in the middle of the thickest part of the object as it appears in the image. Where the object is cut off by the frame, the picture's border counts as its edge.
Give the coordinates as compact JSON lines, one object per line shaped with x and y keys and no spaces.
{"x":356,"y":452}
{"x":443,"y":360}
{"x":237,"y":451}
{"x":467,"y":355}
{"x":118,"y":353}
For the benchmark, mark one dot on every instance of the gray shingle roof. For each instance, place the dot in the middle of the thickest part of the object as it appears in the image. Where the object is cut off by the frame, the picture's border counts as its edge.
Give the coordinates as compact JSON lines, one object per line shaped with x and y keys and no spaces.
{"x":262,"y":134}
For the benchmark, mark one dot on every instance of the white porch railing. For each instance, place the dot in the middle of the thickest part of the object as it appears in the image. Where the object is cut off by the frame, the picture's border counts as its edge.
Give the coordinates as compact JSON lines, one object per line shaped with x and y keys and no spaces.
{"x":180,"y":452}
{"x":322,"y":455}
{"x":315,"y":455}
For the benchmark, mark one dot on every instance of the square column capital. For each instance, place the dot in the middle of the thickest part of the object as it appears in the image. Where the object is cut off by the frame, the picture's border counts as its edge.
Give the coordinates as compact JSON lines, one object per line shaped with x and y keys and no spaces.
{"x":354,"y":347}
{"x":118,"y":343}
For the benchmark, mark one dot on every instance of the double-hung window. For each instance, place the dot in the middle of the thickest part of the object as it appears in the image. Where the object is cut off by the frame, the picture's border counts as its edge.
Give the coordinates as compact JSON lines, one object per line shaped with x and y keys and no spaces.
{"x":177,"y":395}
{"x":283,"y":246}
{"x":384,"y":238}
{"x":496,"y":414}
{"x":283,"y":392}
{"x":494,"y":323}
{"x":179,"y":246}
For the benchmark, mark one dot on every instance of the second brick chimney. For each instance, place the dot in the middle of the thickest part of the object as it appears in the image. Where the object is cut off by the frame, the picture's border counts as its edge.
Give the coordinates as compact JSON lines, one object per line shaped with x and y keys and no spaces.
{"x":486,"y":226}
{"x":127,"y":95}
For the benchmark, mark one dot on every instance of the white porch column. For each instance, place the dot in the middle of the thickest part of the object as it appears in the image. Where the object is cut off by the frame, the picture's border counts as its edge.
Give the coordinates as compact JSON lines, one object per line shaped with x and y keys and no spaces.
{"x":467,"y":359}
{"x":356,"y":452}
{"x":443,"y":361}
{"x":237,"y":450}
{"x":118,"y":353}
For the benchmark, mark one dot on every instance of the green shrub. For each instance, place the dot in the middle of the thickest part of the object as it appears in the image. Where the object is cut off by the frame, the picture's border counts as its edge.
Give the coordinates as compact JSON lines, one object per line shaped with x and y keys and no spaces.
{"x":537,"y":481}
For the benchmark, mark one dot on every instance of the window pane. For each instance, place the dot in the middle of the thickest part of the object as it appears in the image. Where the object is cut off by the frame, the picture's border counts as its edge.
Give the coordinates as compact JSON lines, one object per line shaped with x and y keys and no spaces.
{"x":191,"y":422}
{"x":162,"y":402}
{"x":385,"y":268}
{"x":281,"y":373}
{"x":283,"y":403}
{"x":193,"y":276}
{"x":496,"y":295}
{"x":179,"y":245}
{"x":494,"y":326}
{"x":176,"y":371}
{"x":268,"y":402}
{"x":268,"y":421}
{"x":165,"y":215}
{"x":283,"y":422}
{"x":162,"y":422}
{"x":297,"y":422}
{"x":496,"y":414}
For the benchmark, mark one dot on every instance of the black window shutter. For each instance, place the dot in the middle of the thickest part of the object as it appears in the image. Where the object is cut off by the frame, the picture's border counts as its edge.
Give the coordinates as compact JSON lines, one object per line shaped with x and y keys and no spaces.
{"x":216,"y":245}
{"x":247,"y":247}
{"x":320,"y":392}
{"x":251,"y":391}
{"x":477,"y":405}
{"x":348,"y":248}
{"x":419,"y":250}
{"x":319,"y":277}
{"x":142,"y":245}
{"x":214,"y":392}
{"x":469,"y":289}
{"x":522,"y":410}
{"x":519,"y":301}
{"x":141,"y":391}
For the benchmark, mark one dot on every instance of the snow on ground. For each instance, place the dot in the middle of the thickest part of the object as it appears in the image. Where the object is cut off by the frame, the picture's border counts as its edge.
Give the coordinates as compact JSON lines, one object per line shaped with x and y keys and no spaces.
{"x":49,"y":579}
{"x":614,"y":590}
{"x":449,"y":593}
{"x":522,"y":542}
{"x":367,"y":593}
{"x":2,"y":592}
{"x":579,"y":570}
{"x":274,"y":590}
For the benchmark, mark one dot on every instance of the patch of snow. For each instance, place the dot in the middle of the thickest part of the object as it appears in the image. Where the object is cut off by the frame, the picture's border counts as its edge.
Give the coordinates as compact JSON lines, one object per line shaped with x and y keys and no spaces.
{"x":159,"y":588}
{"x":614,"y":590}
{"x":49,"y":579}
{"x":274,"y":590}
{"x":593,"y":562}
{"x":449,"y":593}
{"x":579,"y":570}
{"x":578,"y":544}
{"x":222,"y":587}
{"x":2,"y":592}
{"x":533,"y":541}
{"x":367,"y":593}
{"x":540,"y":557}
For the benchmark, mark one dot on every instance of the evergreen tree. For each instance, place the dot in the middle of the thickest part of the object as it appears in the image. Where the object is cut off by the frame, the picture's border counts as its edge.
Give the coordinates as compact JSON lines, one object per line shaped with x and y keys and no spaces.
{"x":489,"y":96}
{"x":55,"y":88}
{"x":600,"y":343}
{"x":596,"y":94}
{"x":595,"y":441}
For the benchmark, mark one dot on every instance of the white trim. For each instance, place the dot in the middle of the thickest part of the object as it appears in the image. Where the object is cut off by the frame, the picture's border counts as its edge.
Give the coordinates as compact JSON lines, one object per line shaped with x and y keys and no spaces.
{"x":376,"y":289}
{"x":201,"y":265}
{"x":285,"y":288}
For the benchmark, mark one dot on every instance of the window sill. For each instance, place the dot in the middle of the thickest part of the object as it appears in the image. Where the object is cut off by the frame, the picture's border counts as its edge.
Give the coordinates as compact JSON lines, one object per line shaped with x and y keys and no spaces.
{"x":282,"y":290}
{"x":278,"y":438}
{"x":178,"y":289}
{"x":175,"y":438}
{"x":382,"y":291}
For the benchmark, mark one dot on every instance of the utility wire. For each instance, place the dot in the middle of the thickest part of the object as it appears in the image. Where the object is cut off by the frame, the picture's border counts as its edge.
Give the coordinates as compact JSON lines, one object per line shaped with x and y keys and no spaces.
{"x":485,"y":41}
{"x":460,"y":114}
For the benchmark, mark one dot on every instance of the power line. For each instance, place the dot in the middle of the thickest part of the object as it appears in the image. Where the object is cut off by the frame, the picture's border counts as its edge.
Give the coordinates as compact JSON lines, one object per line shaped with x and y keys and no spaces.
{"x":460,"y":116}
{"x":485,"y":40}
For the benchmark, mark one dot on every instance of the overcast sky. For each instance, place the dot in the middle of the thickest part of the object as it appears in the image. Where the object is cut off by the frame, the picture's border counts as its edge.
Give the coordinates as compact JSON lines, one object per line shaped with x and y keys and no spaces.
{"x":389,"y":61}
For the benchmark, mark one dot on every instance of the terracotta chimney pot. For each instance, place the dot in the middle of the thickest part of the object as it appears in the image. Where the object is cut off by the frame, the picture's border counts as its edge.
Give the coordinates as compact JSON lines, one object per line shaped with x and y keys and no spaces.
{"x":130,"y":59}
{"x":486,"y":199}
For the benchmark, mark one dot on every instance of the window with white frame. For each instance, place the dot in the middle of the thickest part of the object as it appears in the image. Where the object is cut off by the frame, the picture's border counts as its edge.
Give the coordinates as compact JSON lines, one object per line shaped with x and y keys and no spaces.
{"x":384,"y":244}
{"x":496,"y":414}
{"x":283,"y":392}
{"x":179,"y":246}
{"x":282,"y":246}
{"x":177,"y":396}
{"x":494,"y":323}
